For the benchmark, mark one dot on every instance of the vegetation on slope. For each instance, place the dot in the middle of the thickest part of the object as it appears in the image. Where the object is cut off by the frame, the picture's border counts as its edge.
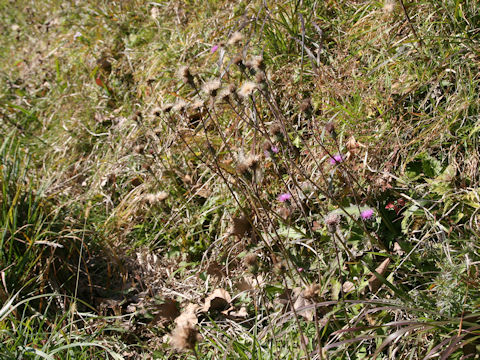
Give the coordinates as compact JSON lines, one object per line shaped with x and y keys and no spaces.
{"x":239,"y":180}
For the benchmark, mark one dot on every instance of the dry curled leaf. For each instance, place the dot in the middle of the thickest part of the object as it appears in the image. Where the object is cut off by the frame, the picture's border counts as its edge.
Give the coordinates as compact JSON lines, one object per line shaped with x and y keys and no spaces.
{"x":374,"y":283}
{"x":240,"y":226}
{"x":237,"y":315}
{"x":301,"y":305}
{"x":167,"y":311}
{"x":250,"y":282}
{"x":218,"y":300}
{"x":185,"y":335}
{"x":304,"y":308}
{"x":352,"y":144}
{"x":189,"y":316}
{"x":397,"y":249}
{"x":215,"y":269}
{"x":348,"y":286}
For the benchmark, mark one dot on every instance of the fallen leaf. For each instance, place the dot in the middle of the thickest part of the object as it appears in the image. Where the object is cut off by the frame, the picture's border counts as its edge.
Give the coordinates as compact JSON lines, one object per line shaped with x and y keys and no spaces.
{"x":374,"y":283}
{"x":348,"y":286}
{"x":189,"y":316}
{"x":234,"y":314}
{"x":352,"y":144}
{"x":397,"y":249}
{"x":166,"y":312}
{"x":240,"y":226}
{"x":218,"y":300}
{"x":215,"y":269}
{"x":300,"y":302}
{"x":249,"y":282}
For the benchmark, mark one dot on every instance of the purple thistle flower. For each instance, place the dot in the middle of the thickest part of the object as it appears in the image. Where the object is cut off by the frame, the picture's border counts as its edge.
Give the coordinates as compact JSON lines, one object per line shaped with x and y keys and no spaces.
{"x":284,"y":197}
{"x":366,"y":214}
{"x":336,"y":159}
{"x":214,"y":48}
{"x":274,"y":149}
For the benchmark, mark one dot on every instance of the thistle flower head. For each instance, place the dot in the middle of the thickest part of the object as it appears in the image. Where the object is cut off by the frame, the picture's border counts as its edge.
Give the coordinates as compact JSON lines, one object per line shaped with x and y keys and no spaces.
{"x":227,"y":92}
{"x":251,"y":259}
{"x":338,"y":158}
{"x":306,"y":105}
{"x":185,"y":75}
{"x":255,"y":63}
{"x":235,"y":38}
{"x":280,"y":267}
{"x":247,"y":89}
{"x":389,"y":6}
{"x":311,"y":291}
{"x":366,"y":214}
{"x":330,"y":128}
{"x":180,"y":105}
{"x":260,"y":77}
{"x":211,"y":87}
{"x":249,"y":164}
{"x":155,"y":198}
{"x":198,"y":104}
{"x":157,"y":111}
{"x":284,"y":197}
{"x":238,"y":60}
{"x":167,"y":107}
{"x":276,"y":130}
{"x":332,"y":221}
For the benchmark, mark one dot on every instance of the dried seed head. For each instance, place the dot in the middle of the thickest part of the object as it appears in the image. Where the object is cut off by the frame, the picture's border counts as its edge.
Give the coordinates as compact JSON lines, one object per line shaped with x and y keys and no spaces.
{"x":247,"y":89}
{"x":235,"y":38}
{"x":185,"y":75}
{"x":251,"y":259}
{"x":225,"y":94}
{"x":198,"y":104}
{"x":156,"y":198}
{"x":104,"y":65}
{"x":167,"y":107}
{"x":280,"y":267}
{"x":260,"y":77}
{"x":157,"y":111}
{"x":180,"y":105}
{"x":276,"y":130}
{"x":267,"y":145}
{"x":238,"y":60}
{"x":330,"y":128}
{"x":211,"y":87}
{"x":306,"y":105}
{"x":332,"y":221}
{"x":389,"y":6}
{"x":257,"y":62}
{"x":248,"y":165}
{"x":240,"y":226}
{"x":311,"y":291}
{"x":138,"y":116}
{"x":139,"y":149}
